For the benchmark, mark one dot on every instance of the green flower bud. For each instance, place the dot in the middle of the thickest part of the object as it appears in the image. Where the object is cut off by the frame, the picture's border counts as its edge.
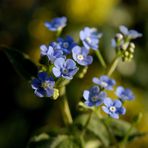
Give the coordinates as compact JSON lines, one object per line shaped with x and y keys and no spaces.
{"x":55,"y":94}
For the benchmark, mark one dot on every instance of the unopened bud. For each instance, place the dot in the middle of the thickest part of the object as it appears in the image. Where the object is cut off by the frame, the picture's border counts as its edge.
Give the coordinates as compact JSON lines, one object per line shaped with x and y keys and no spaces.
{"x":126,"y":53}
{"x":125,"y":46}
{"x":132,"y":45}
{"x":119,"y":36}
{"x":131,"y":50}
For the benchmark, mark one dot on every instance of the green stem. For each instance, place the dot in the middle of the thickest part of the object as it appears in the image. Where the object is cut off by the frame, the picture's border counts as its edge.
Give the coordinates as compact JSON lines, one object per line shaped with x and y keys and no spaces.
{"x":59,"y":32}
{"x":87,"y":122}
{"x":106,"y":125}
{"x":125,"y":139}
{"x":65,"y":108}
{"x":98,"y":54}
{"x":113,"y":65}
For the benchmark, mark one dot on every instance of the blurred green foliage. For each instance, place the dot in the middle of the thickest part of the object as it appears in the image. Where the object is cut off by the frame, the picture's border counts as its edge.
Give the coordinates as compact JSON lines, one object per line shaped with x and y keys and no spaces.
{"x":21,"y":27}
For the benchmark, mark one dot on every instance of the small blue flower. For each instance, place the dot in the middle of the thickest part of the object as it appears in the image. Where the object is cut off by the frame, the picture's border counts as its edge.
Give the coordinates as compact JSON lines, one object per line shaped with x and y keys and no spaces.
{"x":90,"y":37}
{"x":124,"y":93}
{"x":80,"y":55}
{"x":66,"y":44}
{"x":43,"y":85}
{"x":104,"y":82}
{"x":132,"y":34}
{"x":51,"y":52}
{"x":64,"y":68}
{"x":93,"y":96}
{"x":113,"y":108}
{"x":56,"y":23}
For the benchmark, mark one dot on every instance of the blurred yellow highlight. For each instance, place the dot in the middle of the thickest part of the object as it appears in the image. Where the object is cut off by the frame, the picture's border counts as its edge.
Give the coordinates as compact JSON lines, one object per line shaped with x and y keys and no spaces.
{"x":95,"y":11}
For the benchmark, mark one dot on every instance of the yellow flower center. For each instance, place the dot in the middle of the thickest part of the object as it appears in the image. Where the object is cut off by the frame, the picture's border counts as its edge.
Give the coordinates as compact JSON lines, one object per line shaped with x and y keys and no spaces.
{"x":45,"y":85}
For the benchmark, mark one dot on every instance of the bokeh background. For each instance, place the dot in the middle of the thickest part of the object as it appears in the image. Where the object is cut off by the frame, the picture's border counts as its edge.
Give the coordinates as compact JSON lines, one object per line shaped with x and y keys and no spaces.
{"x":22,"y":27}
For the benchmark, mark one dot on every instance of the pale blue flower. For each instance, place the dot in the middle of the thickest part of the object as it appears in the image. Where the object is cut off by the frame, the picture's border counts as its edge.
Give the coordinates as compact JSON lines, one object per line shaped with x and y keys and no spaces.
{"x":94,"y":96}
{"x":104,"y":82}
{"x":113,"y":108}
{"x":64,"y":68}
{"x":80,"y":55}
{"x":90,"y":37}
{"x":43,"y":85}
{"x":132,"y":34}
{"x":124,"y":93}
{"x":56,"y":23}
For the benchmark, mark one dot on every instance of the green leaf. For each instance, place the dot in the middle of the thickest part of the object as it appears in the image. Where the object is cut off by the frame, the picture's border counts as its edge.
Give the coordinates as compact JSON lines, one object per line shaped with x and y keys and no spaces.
{"x":21,"y":63}
{"x":120,"y":128}
{"x":59,"y":141}
{"x":95,"y":127}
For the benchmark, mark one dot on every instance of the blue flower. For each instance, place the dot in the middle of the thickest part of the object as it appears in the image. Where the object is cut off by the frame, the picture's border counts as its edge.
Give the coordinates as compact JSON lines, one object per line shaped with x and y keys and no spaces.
{"x":64,"y":68}
{"x":43,"y":85}
{"x":93,"y":96}
{"x":56,"y":23}
{"x":90,"y":38}
{"x":51,"y":52}
{"x":124,"y":93}
{"x":66,"y":44}
{"x":104,"y":82}
{"x":132,"y":34}
{"x":113,"y":108}
{"x":80,"y":55}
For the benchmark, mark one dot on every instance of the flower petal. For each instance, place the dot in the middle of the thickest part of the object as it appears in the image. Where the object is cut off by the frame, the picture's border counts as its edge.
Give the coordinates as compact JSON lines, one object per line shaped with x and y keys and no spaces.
{"x":108,"y":102}
{"x":56,"y":72}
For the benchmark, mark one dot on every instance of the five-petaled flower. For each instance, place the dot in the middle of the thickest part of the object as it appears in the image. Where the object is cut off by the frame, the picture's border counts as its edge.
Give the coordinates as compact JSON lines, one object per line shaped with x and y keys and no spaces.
{"x":80,"y":55}
{"x":124,"y":93}
{"x":93,"y":96}
{"x":56,"y":23}
{"x":66,"y":44}
{"x":51,"y":52}
{"x":104,"y":82}
{"x":43,"y":85}
{"x":113,"y":108}
{"x":90,"y":37}
{"x":64,"y":68}
{"x":131,"y":34}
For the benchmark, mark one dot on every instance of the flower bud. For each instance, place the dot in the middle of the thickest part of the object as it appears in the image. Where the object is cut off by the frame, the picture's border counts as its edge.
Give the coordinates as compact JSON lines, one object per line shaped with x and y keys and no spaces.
{"x":119,"y":36}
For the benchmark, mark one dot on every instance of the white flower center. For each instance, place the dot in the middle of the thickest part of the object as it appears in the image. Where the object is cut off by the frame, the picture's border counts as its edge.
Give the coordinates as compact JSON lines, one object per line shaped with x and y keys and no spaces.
{"x":112,"y":109}
{"x":104,"y":84}
{"x":65,"y":44}
{"x":80,"y":57}
{"x":88,"y":39}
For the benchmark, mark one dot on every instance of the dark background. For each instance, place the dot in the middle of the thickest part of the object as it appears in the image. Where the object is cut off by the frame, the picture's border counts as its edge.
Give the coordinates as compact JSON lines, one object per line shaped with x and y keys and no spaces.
{"x":21,"y":27}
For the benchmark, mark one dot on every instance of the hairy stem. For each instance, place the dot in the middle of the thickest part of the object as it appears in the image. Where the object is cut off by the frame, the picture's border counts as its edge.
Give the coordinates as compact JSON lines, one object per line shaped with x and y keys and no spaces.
{"x":98,"y":54}
{"x":113,"y":66}
{"x":65,"y":108}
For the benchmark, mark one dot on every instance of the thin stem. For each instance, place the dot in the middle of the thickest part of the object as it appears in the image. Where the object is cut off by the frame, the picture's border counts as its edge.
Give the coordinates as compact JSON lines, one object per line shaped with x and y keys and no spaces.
{"x":87,"y":122}
{"x":59,"y":32}
{"x":98,"y":54}
{"x":113,"y":65}
{"x":125,"y":139}
{"x":65,"y":108}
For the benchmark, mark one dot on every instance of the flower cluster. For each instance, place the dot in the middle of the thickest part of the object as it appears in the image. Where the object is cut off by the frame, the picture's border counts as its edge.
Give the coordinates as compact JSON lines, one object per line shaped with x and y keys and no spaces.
{"x":122,"y":42}
{"x":97,"y":95}
{"x":65,"y":56}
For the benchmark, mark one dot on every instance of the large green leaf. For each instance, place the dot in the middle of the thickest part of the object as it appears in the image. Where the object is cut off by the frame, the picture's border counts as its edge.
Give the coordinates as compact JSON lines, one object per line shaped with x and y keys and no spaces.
{"x":21,"y":62}
{"x":59,"y":141}
{"x":102,"y":129}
